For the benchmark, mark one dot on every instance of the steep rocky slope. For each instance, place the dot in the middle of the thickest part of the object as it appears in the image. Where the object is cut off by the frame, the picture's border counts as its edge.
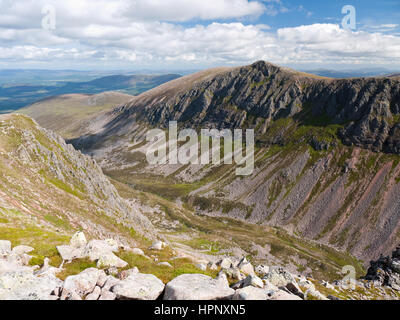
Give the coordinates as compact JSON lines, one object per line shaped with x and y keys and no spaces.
{"x":49,"y":190}
{"x":327,"y":163}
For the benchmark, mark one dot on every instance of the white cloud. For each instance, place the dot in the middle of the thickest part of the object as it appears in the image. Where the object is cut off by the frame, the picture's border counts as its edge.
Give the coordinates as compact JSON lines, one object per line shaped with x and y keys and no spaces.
{"x":152,"y":36}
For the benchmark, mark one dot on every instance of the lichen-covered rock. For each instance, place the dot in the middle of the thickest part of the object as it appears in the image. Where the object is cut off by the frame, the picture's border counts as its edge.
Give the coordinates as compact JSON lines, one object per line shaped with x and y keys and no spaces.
{"x":197,"y":287}
{"x":5,"y":247}
{"x":139,"y":287}
{"x":110,"y":260}
{"x":250,"y":293}
{"x":26,"y":286}
{"x":83,"y":283}
{"x":78,"y":240}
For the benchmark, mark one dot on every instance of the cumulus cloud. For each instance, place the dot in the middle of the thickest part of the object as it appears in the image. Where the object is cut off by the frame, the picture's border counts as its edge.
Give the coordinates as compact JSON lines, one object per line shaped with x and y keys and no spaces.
{"x":151,"y":33}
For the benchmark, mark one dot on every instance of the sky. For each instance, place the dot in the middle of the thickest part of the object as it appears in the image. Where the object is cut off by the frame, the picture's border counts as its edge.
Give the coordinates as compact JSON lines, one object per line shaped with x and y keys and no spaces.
{"x":196,"y":34}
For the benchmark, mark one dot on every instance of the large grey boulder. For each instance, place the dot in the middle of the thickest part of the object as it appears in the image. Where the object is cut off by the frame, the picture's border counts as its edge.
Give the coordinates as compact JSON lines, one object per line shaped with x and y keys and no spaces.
{"x":78,"y":240}
{"x":81,"y":284}
{"x":198,"y":287}
{"x":251,"y":293}
{"x":110,"y":260}
{"x":5,"y":247}
{"x":26,"y":286}
{"x":283,"y":295}
{"x":139,"y":287}
{"x":246,"y":267}
{"x":283,"y":279}
{"x":97,"y":248}
{"x":20,"y":250}
{"x":69,"y":253}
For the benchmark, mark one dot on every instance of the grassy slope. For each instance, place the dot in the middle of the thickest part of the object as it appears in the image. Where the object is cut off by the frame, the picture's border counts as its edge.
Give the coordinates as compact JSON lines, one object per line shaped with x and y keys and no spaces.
{"x":68,"y":114}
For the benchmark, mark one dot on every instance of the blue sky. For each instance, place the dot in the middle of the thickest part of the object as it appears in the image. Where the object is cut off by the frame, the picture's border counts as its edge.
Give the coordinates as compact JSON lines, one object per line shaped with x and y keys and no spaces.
{"x":195,"y":34}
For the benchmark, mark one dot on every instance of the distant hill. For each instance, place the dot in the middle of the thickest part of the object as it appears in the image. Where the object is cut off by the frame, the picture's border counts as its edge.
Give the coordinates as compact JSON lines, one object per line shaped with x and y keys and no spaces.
{"x":15,"y":96}
{"x":70,"y":114}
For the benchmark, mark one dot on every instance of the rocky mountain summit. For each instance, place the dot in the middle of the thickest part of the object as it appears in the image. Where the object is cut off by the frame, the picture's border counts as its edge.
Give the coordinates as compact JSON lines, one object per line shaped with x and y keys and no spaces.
{"x":327,"y":165}
{"x":115,"y":279}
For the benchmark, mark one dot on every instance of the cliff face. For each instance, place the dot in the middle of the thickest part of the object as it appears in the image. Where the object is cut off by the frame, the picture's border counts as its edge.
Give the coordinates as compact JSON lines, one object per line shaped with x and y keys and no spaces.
{"x":47,"y":187}
{"x":327,"y":164}
{"x":367,"y":109}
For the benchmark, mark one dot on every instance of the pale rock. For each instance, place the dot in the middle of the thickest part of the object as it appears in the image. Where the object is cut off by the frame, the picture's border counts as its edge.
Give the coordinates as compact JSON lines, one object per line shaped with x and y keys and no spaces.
{"x":69,"y":253}
{"x":225,"y":263}
{"x":137,"y":251}
{"x":201,"y":266}
{"x":95,"y":294}
{"x":26,"y":286}
{"x":253,"y":281}
{"x":165,"y":264}
{"x":126,"y":273}
{"x":157,"y":245}
{"x":96,"y":248}
{"x":101,"y":281}
{"x":262,"y":270}
{"x":109,"y":260}
{"x":250,"y":293}
{"x":246,"y":267}
{"x":314,"y":294}
{"x":5,"y":247}
{"x":78,"y":240}
{"x":82,"y":283}
{"x":212,"y":266}
{"x":283,"y":295}
{"x":139,"y":287}
{"x":20,"y":250}
{"x":283,"y":279}
{"x":108,"y":295}
{"x":110,"y":282}
{"x":198,"y":287}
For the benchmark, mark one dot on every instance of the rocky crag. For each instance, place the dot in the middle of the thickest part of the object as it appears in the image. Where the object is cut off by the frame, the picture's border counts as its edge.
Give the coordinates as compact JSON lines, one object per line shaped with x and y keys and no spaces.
{"x":49,"y":190}
{"x":327,"y":158}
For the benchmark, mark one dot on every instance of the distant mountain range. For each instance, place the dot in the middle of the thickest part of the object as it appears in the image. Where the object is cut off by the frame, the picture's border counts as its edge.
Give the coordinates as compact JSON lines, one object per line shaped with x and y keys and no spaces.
{"x":14,"y":96}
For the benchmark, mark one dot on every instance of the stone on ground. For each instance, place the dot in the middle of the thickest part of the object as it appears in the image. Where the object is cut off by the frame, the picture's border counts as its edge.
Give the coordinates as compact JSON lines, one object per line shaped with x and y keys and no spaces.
{"x":139,"y":287}
{"x":198,"y":287}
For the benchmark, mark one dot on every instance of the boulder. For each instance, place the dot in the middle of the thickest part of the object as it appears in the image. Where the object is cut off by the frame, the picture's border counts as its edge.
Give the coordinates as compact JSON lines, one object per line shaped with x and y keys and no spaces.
{"x":69,"y":253}
{"x":253,"y":281}
{"x":5,"y":247}
{"x":96,"y":248}
{"x":225,"y":263}
{"x":26,"y":286}
{"x":137,"y":251}
{"x":262,"y":270}
{"x":78,"y":240}
{"x":20,"y":250}
{"x":95,"y":294}
{"x":198,"y":287}
{"x":165,"y":264}
{"x":283,"y":279}
{"x":110,"y":282}
{"x":139,"y":287}
{"x":313,"y":294}
{"x":201,"y":266}
{"x":83,"y":283}
{"x":250,"y":293}
{"x":158,"y":245}
{"x":109,"y":260}
{"x":283,"y":295}
{"x":126,"y":273}
{"x":246,"y":267}
{"x":107,"y":295}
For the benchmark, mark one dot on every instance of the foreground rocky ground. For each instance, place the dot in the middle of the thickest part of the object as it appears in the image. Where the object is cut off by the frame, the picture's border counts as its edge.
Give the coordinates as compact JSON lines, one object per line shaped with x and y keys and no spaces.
{"x":114,"y":279}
